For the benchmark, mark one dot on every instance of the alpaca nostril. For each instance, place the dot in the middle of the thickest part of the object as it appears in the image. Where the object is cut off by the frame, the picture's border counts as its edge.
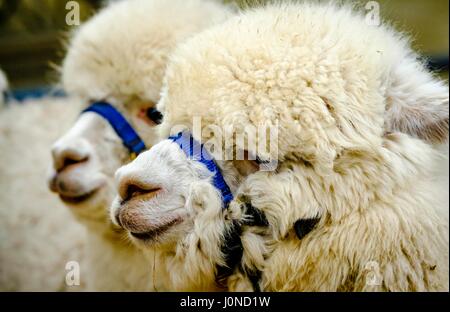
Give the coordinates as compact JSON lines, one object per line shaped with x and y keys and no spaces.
{"x":65,"y":155}
{"x":70,"y":160}
{"x":133,"y":190}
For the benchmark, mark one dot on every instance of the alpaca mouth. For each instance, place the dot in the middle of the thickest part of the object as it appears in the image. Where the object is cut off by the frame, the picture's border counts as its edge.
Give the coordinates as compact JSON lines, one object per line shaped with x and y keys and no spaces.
{"x":153,"y":234}
{"x":78,"y":199}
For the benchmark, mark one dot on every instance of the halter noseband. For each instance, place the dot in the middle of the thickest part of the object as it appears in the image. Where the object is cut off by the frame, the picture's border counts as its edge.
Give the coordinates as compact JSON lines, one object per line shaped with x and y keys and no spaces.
{"x":121,"y":126}
{"x":196,"y":151}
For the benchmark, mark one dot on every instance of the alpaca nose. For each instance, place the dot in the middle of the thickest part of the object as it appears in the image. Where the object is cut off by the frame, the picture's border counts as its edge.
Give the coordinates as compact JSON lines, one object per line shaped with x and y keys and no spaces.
{"x":130,"y":216}
{"x":130,"y":184}
{"x":130,"y":189}
{"x":65,"y":155}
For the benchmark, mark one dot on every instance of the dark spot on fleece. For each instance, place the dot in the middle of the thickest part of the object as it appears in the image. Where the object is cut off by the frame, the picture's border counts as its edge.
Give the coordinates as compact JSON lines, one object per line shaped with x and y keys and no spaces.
{"x":304,"y":226}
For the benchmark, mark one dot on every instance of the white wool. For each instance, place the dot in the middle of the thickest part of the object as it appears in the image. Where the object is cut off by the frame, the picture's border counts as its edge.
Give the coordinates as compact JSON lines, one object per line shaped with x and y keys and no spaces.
{"x":357,"y":115}
{"x":38,"y":236}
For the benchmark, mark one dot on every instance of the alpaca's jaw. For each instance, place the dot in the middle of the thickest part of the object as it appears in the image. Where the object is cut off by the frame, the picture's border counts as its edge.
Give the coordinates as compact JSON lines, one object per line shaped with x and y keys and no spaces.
{"x":81,"y":197}
{"x":156,"y":235}
{"x":146,"y":222}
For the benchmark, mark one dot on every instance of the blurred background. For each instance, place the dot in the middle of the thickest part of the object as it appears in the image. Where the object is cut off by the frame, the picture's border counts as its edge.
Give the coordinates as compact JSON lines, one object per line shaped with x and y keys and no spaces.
{"x":31,"y":33}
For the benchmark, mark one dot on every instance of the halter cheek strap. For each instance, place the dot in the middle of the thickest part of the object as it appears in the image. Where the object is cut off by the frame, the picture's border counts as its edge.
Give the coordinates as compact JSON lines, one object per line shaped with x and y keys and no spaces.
{"x":196,"y":151}
{"x":121,"y":126}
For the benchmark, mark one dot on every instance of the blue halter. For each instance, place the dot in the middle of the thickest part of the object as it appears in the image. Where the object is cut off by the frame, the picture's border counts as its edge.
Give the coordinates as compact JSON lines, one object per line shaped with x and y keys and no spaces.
{"x":194,"y":150}
{"x":124,"y":130}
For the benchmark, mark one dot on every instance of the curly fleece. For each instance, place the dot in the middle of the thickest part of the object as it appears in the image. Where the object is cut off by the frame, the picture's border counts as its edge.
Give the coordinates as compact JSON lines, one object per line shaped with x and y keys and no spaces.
{"x":356,"y":113}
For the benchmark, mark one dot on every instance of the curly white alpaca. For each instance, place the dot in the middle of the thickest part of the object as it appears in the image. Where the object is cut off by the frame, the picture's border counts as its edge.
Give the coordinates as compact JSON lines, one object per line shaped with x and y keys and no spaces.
{"x":119,"y":56}
{"x":353,"y":205}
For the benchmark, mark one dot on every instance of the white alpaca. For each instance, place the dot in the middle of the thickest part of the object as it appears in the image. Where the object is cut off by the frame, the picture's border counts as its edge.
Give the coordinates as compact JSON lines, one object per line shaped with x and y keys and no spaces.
{"x":119,"y":56}
{"x":353,"y":205}
{"x":38,"y":236}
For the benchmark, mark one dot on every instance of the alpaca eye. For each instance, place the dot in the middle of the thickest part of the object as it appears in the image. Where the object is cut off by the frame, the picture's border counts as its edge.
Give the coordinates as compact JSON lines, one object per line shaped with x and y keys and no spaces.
{"x":151,"y":116}
{"x":154,"y":115}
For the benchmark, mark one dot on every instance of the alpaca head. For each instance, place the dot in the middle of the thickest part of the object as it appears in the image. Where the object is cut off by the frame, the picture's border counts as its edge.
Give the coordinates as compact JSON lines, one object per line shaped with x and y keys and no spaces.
{"x":329,"y":80}
{"x":119,"y":57}
{"x":160,"y":209}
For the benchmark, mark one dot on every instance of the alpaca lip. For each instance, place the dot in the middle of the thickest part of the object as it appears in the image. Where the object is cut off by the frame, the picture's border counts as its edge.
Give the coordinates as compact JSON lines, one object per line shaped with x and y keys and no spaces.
{"x":156,"y":232}
{"x":78,"y":199}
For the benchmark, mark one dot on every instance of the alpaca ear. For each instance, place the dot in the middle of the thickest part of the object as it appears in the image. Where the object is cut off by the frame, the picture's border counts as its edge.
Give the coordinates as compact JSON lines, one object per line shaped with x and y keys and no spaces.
{"x":417,"y":103}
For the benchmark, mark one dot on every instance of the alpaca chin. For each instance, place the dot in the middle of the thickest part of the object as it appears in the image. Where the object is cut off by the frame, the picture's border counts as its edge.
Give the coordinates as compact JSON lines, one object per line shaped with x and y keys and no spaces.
{"x":76,"y":185}
{"x":75,"y":193}
{"x":79,"y":200}
{"x":162,"y":238}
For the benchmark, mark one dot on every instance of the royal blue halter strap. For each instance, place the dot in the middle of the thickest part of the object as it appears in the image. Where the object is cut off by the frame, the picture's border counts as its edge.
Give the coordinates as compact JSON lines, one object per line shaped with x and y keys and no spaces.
{"x":124,"y":130}
{"x":194,"y":150}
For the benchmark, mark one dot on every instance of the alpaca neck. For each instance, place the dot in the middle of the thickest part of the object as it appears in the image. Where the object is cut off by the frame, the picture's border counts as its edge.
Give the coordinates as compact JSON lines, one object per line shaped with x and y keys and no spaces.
{"x":116,"y":265}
